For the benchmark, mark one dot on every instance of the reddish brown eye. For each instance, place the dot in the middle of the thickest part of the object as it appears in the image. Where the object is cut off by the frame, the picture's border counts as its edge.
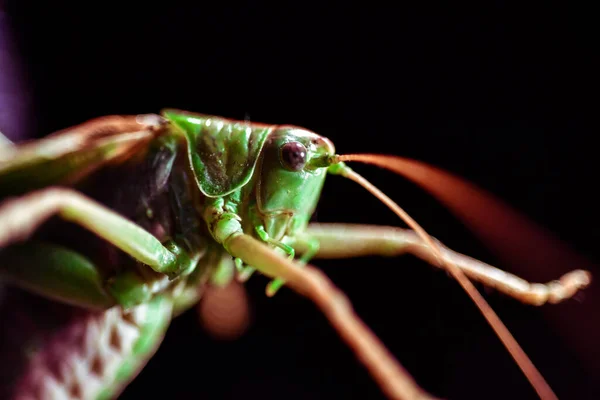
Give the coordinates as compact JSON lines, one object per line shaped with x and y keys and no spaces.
{"x":293,"y":156}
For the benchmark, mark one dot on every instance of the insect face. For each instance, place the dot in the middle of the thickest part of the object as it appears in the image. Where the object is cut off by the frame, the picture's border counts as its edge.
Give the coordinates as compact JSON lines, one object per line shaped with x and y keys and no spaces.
{"x":291,"y":178}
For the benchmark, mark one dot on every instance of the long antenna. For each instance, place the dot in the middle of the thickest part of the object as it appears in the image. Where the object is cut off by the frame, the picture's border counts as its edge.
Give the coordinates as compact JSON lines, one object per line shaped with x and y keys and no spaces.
{"x":531,"y":372}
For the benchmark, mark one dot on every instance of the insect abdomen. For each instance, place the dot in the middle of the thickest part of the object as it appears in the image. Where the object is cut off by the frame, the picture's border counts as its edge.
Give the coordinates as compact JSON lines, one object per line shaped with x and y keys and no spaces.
{"x":62,"y":352}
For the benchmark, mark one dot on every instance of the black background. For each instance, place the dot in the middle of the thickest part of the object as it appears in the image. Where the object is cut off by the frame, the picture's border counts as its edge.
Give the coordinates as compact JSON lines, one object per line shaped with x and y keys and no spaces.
{"x":498,"y":93}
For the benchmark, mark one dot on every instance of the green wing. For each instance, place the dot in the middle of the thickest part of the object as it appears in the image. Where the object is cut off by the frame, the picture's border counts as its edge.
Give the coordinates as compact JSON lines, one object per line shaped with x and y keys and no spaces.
{"x":223,"y":153}
{"x":69,"y":155}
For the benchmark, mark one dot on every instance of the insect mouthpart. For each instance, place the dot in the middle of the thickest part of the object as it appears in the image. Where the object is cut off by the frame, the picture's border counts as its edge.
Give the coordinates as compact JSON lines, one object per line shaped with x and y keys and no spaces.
{"x":277,"y":225}
{"x":292,"y":172}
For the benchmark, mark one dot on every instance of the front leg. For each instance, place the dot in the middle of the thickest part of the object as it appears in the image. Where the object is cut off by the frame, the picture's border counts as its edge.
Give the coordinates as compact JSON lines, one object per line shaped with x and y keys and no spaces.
{"x":225,"y":227}
{"x":222,"y":217}
{"x":346,"y":240}
{"x":246,"y":271}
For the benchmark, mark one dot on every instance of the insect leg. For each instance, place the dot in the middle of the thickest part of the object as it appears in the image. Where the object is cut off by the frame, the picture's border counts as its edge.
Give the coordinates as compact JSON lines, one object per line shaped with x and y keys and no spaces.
{"x":222,"y":212}
{"x":286,"y":247}
{"x":346,"y":240}
{"x":312,"y":248}
{"x":20,"y":217}
{"x":246,"y":271}
{"x":392,"y":378}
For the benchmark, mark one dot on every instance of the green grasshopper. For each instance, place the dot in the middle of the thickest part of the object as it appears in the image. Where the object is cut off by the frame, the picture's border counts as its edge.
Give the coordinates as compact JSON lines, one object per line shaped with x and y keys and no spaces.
{"x":123,"y":220}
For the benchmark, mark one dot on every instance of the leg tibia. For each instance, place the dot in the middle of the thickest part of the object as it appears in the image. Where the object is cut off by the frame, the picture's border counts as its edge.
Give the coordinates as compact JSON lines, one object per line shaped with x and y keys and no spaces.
{"x":312,"y":247}
{"x":344,"y":240}
{"x":20,"y":217}
{"x":392,"y":378}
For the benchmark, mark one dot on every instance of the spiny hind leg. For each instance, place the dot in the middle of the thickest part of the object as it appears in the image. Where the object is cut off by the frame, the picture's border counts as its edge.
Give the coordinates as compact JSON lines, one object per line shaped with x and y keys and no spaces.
{"x":346,"y":240}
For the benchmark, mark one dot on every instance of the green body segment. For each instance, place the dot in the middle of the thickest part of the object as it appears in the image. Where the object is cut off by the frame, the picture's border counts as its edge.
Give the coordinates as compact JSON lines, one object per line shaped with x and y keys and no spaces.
{"x":162,"y":197}
{"x":222,"y":153}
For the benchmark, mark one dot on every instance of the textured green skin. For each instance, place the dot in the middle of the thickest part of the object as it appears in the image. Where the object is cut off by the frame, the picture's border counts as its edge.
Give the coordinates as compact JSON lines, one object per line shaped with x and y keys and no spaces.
{"x":241,"y":185}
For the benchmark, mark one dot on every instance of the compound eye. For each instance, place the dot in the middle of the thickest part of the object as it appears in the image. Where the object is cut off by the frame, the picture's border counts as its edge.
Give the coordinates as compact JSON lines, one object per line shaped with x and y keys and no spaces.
{"x":293,"y":156}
